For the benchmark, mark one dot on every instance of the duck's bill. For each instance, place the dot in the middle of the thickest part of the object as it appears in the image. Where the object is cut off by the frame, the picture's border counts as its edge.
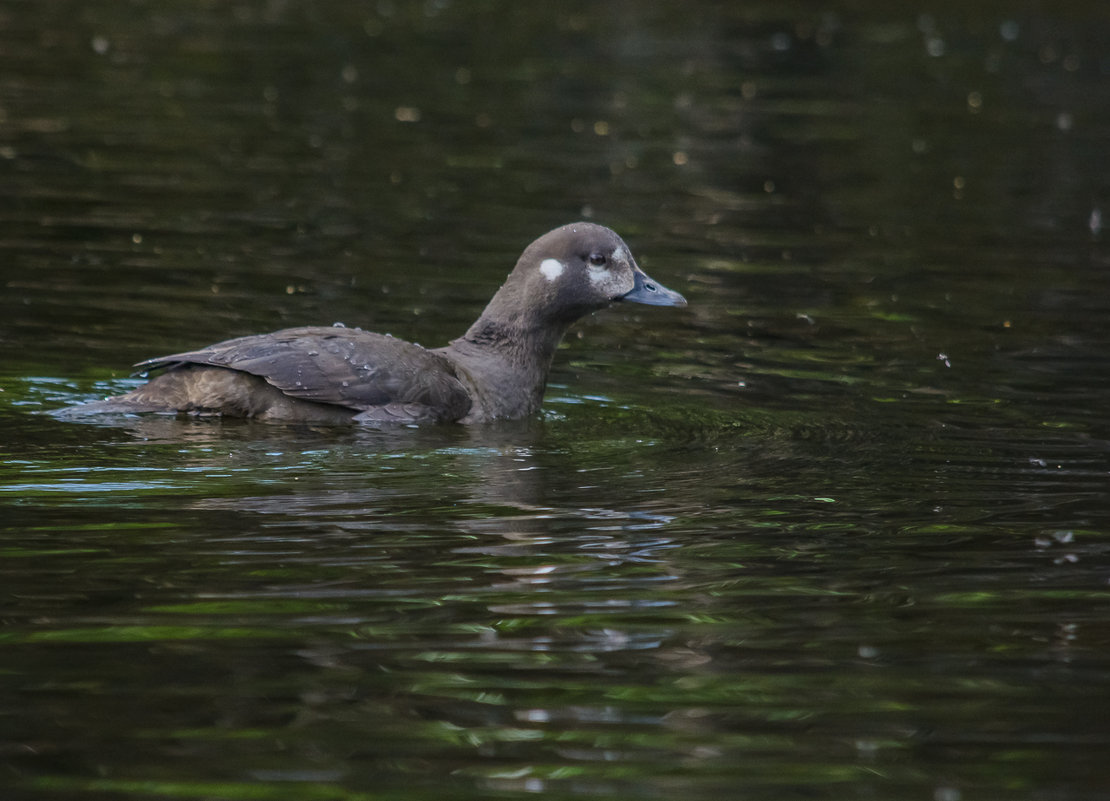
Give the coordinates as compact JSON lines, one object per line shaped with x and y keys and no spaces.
{"x":652,"y":293}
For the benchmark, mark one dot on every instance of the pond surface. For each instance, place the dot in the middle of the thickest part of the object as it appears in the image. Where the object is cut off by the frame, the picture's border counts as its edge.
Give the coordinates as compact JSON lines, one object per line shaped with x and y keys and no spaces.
{"x":839,"y":529}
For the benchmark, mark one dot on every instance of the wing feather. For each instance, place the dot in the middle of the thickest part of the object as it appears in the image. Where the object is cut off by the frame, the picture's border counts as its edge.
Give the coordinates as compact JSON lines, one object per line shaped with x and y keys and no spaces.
{"x":342,"y":366}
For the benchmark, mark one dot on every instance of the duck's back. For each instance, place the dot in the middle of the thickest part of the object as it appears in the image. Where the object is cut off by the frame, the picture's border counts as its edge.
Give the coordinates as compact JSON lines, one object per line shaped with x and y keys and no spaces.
{"x":310,"y":373}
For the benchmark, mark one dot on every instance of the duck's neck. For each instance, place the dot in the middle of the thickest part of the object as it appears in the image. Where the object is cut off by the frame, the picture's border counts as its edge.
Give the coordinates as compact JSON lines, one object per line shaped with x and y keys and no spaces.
{"x":504,"y":365}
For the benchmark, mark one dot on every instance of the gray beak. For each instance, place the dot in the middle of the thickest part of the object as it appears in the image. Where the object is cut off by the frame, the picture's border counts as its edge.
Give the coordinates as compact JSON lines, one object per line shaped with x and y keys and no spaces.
{"x":652,"y":293}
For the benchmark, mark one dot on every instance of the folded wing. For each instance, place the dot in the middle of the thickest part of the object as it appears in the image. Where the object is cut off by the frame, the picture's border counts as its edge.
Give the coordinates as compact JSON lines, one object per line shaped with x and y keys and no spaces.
{"x":346,"y":367}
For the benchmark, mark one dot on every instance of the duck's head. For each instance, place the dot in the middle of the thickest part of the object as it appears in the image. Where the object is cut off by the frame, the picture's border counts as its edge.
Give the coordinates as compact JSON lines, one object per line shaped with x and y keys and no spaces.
{"x":582,"y":267}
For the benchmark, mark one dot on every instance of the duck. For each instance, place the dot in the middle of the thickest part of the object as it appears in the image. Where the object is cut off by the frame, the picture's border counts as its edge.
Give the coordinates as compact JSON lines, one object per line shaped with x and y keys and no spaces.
{"x":497,"y":370}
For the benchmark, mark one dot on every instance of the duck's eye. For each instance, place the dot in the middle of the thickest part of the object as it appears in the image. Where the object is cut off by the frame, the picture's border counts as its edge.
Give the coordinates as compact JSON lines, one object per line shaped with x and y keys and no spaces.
{"x":597,"y":259}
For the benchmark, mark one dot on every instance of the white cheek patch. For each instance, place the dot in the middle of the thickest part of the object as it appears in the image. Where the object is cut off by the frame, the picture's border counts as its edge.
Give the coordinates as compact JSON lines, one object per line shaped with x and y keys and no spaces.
{"x":551,"y":269}
{"x":620,"y":256}
{"x":609,"y":283}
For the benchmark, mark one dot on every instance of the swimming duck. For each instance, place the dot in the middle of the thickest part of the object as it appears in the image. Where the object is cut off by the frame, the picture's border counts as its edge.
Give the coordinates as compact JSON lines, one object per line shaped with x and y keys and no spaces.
{"x":496,"y":371}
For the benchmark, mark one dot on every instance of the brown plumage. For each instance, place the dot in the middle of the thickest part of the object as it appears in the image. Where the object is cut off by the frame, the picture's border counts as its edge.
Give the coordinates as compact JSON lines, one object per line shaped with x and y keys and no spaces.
{"x":497,"y":370}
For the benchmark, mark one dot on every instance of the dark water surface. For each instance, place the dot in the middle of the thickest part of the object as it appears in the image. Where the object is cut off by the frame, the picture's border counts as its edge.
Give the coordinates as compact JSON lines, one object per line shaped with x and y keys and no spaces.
{"x":838,"y":530}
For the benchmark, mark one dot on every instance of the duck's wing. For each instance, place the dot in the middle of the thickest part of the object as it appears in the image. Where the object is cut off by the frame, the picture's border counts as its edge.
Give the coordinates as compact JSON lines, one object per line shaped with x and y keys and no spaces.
{"x":375,"y":374}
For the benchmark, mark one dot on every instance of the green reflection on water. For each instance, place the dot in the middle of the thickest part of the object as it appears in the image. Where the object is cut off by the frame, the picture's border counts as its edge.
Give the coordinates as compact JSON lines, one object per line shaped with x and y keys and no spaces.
{"x":270,"y":606}
{"x":294,"y":790}
{"x":123,"y":634}
{"x":30,"y":552}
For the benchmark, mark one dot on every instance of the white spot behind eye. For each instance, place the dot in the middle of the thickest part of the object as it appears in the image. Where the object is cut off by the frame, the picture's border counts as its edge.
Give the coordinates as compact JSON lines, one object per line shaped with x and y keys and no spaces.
{"x":551,"y":269}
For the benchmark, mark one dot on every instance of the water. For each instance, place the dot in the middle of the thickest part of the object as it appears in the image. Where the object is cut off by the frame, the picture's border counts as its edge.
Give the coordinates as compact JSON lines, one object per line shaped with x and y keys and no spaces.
{"x":836,"y":530}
